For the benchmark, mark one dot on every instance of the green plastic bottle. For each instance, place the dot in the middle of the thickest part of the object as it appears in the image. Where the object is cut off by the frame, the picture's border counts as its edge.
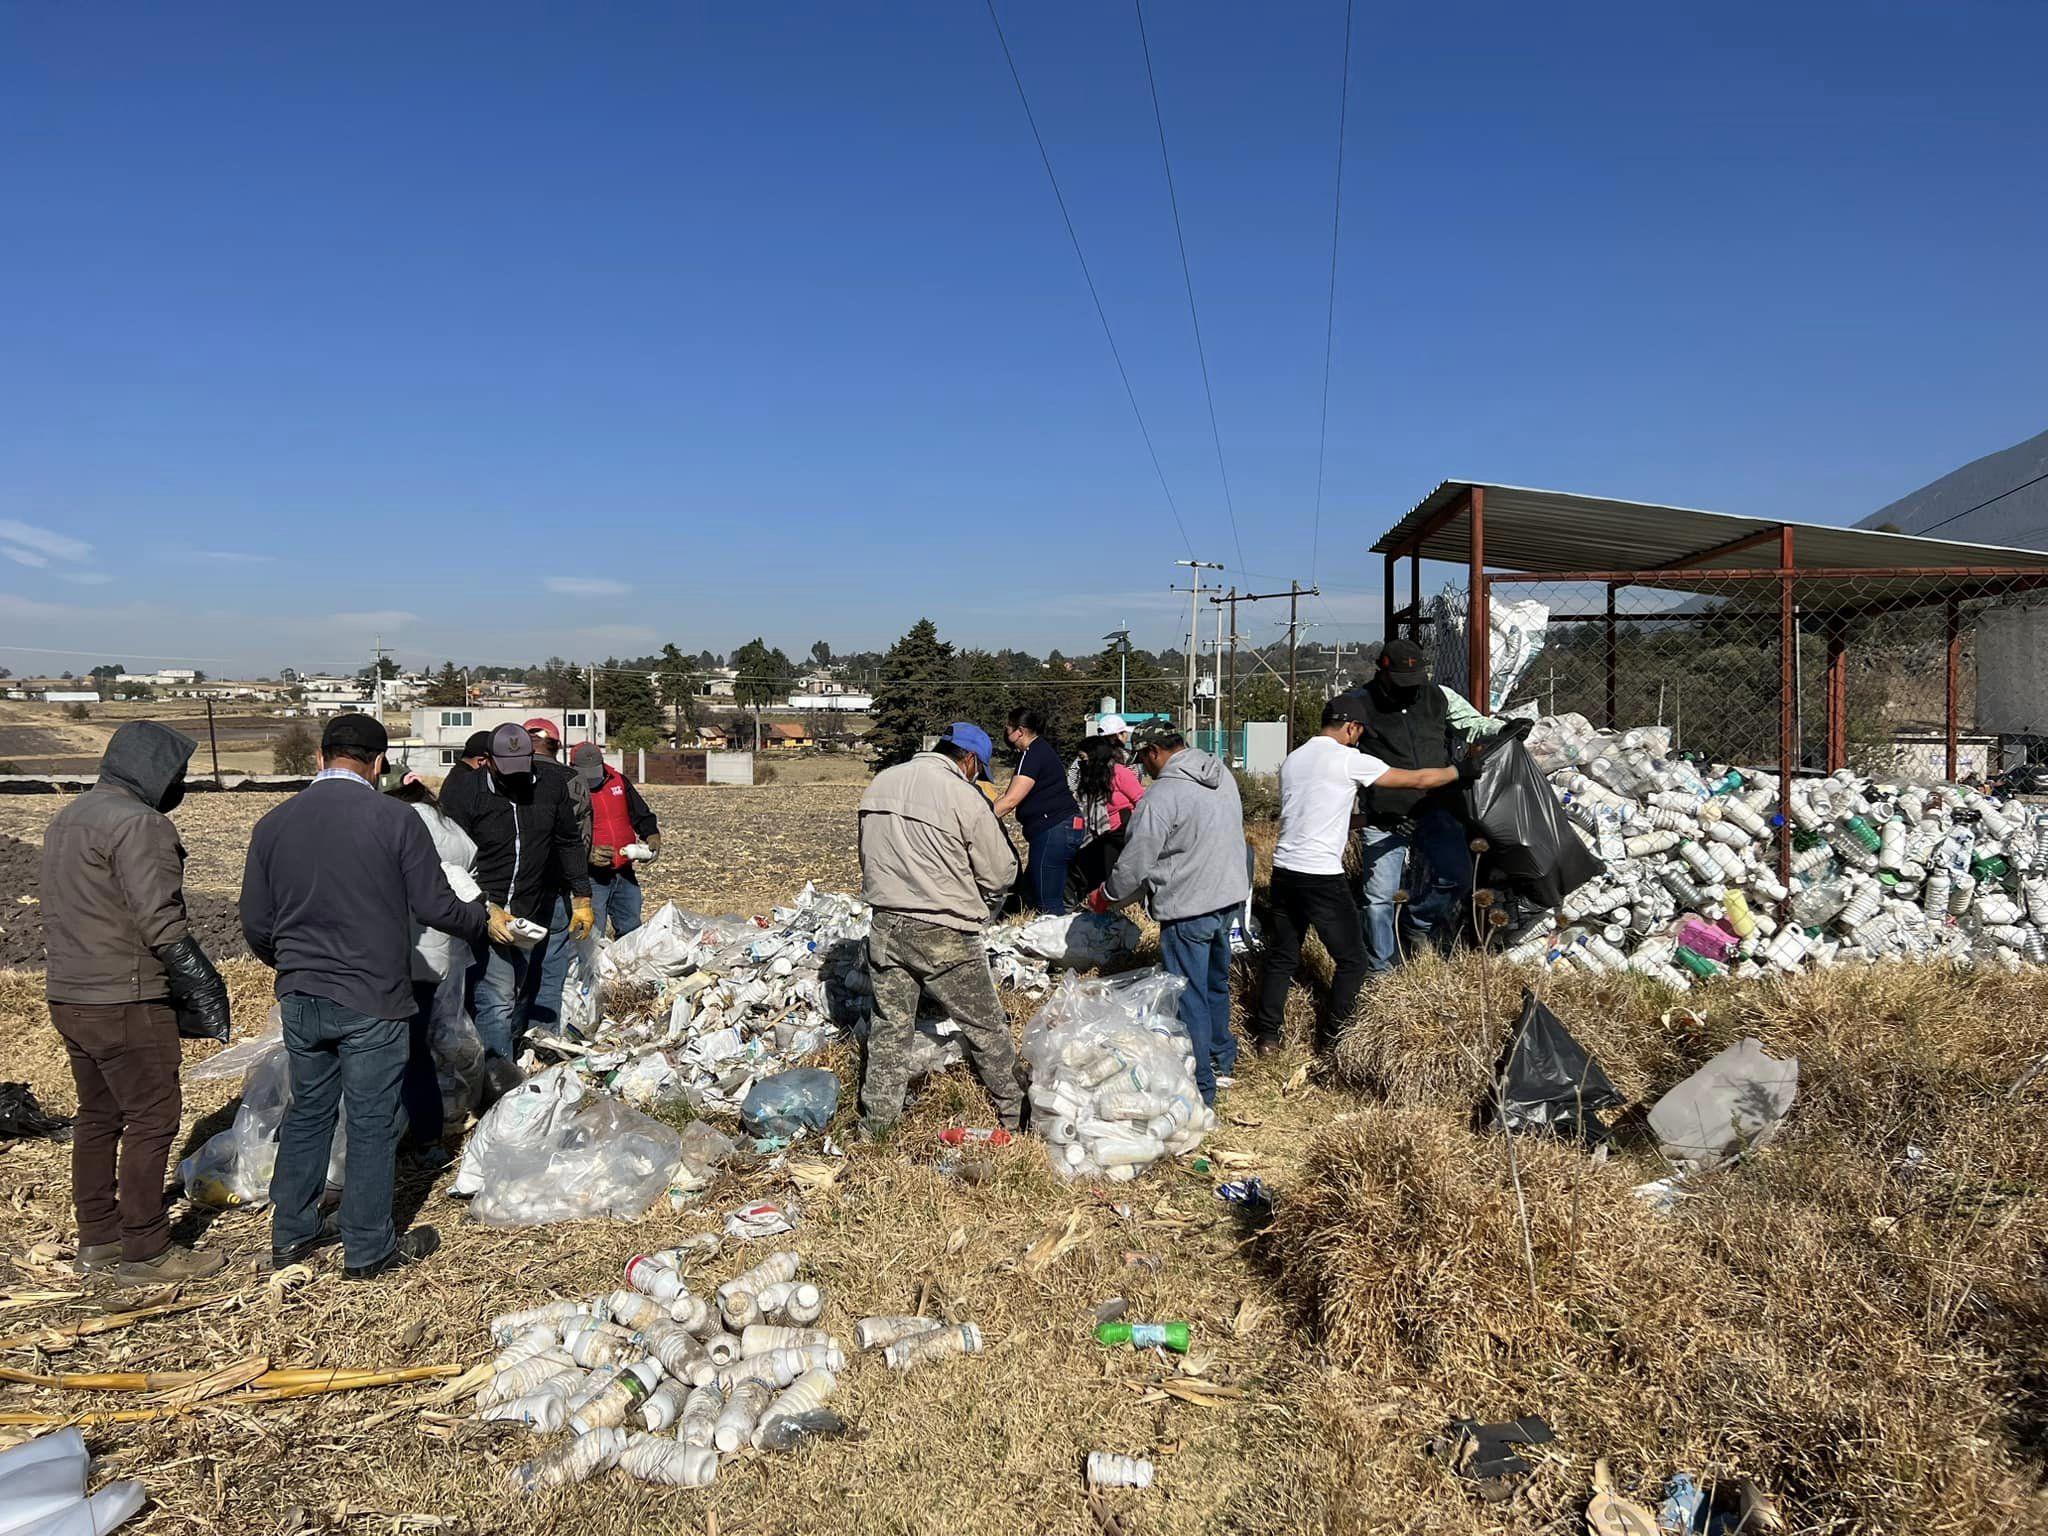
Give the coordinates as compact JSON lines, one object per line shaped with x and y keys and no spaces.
{"x":1695,"y":962}
{"x":1173,"y":1336}
{"x":1863,"y":832}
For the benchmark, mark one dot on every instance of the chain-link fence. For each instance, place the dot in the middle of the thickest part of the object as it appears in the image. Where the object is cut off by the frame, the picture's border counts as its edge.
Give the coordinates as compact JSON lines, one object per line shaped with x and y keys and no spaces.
{"x":1913,"y":674}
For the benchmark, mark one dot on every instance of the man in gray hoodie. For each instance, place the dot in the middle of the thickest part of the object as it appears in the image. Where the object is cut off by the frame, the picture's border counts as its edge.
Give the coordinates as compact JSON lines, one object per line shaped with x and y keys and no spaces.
{"x":125,"y":978}
{"x":1184,"y":854}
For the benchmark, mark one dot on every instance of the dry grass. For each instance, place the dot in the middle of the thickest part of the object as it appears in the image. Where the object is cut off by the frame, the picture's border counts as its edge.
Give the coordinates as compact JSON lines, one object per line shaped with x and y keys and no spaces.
{"x":1867,"y":1345}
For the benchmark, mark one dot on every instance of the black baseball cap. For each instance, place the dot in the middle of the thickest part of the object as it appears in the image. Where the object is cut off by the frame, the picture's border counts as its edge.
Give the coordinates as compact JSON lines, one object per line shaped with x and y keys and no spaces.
{"x":477,"y":745}
{"x":1346,"y":709}
{"x":512,"y":749}
{"x":1400,"y":661}
{"x":357,"y":736}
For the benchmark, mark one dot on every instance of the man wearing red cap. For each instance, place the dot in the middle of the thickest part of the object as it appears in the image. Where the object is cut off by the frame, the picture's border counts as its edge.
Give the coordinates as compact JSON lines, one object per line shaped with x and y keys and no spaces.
{"x":545,"y":981}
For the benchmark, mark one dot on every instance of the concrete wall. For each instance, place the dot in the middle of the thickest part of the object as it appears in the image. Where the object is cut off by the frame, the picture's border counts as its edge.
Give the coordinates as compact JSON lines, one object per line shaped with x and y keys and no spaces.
{"x":2012,"y":680}
{"x":729,"y":768}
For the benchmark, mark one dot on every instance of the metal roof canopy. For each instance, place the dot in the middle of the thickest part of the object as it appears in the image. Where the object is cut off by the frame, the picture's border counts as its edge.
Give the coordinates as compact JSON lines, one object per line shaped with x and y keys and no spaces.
{"x":1595,"y":538}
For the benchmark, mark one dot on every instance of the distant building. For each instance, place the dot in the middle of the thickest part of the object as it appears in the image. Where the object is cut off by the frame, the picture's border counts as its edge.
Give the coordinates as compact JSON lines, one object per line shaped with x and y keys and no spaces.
{"x":70,"y":696}
{"x":717,"y":685}
{"x":852,"y":703}
{"x":438,"y":734}
{"x":785,"y":737}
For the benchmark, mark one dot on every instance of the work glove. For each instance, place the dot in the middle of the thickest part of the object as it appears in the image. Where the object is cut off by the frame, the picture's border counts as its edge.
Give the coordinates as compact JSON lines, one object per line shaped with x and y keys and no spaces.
{"x":1468,"y":769}
{"x":653,"y":842}
{"x":601,"y":856}
{"x":582,"y":920}
{"x":1095,"y":901}
{"x":199,"y":998}
{"x":499,"y":924}
{"x":1517,"y":730}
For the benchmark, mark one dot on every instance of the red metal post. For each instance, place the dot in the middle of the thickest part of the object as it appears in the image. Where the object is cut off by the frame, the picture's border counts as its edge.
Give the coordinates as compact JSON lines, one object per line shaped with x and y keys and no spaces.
{"x":1838,"y":698}
{"x":1953,"y":681}
{"x":1478,"y":619}
{"x":1613,"y":661}
{"x":1788,"y":642}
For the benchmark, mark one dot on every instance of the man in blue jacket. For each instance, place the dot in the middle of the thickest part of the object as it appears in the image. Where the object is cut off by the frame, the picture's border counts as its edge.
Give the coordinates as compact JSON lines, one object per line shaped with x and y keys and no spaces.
{"x":1184,"y":854}
{"x":335,"y":877}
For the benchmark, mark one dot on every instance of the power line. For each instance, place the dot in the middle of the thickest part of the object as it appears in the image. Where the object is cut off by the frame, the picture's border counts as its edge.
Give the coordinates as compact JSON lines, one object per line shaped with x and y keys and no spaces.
{"x":1983,"y":504}
{"x":1088,"y":277}
{"x":1188,"y":277}
{"x":1330,"y":314}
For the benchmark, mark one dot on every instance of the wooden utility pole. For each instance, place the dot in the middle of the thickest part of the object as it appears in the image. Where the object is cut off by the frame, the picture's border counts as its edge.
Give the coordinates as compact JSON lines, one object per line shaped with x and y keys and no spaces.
{"x":1293,"y":630}
{"x":213,"y":741}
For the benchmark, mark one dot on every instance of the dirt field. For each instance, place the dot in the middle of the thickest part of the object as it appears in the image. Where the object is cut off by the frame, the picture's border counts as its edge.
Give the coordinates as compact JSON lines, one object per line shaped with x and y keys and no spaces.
{"x":1290,"y":1434}
{"x":41,"y":738}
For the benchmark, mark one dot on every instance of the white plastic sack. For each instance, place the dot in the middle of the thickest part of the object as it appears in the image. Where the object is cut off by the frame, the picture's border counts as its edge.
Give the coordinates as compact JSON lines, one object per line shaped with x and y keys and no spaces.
{"x":1735,"y":1102}
{"x":552,"y":1151}
{"x":42,"y":1490}
{"x":1113,"y":1077}
{"x":1079,"y":940}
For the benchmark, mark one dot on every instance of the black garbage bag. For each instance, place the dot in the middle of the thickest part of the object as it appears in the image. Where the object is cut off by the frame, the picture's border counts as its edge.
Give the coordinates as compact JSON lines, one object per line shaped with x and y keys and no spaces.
{"x":1532,"y":847}
{"x":22,"y":1115}
{"x":1545,"y":1080}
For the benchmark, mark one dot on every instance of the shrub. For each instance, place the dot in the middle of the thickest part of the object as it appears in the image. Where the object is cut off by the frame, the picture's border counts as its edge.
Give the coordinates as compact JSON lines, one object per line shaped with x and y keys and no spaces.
{"x":294,"y":752}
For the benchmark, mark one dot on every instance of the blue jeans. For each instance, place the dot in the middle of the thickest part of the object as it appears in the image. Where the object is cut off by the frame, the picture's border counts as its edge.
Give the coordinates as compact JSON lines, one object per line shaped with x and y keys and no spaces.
{"x":340,"y":1059}
{"x":1442,"y":863}
{"x":617,"y":901}
{"x":544,"y":986}
{"x":498,"y":996}
{"x":1197,"y":949}
{"x":1052,"y":850}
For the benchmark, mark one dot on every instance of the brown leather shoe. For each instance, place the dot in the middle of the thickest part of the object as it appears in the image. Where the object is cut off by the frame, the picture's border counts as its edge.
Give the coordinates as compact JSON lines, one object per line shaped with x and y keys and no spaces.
{"x":171,"y":1266}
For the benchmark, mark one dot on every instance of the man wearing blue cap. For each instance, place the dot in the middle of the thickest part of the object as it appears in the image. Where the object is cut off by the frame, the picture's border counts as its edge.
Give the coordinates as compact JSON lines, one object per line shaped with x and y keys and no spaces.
{"x":934,"y":862}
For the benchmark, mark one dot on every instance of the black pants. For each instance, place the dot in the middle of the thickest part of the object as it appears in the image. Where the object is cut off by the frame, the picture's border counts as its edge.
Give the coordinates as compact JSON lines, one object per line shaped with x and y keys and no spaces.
{"x":420,"y":1089}
{"x":1326,"y":904}
{"x":1093,"y":865}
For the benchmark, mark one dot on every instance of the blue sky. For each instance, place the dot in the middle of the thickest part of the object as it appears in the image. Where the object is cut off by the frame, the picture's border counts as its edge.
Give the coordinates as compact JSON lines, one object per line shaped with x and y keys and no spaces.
{"x":504,"y":329}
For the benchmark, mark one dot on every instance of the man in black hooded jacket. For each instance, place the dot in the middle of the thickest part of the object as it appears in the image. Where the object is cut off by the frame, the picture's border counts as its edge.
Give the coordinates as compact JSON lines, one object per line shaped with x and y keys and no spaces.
{"x":125,"y":978}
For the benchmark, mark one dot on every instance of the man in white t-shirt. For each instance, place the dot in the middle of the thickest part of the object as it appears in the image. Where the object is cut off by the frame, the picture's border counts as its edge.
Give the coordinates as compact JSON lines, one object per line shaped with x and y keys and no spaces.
{"x":1319,"y":785}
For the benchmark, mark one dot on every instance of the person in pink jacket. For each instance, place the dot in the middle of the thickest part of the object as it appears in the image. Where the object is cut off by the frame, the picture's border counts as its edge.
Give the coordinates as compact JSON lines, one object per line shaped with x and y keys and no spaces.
{"x":1107,"y":790}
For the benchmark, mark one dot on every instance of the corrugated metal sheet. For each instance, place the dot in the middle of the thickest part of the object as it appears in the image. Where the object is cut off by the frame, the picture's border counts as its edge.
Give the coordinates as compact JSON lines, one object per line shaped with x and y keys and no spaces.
{"x":1535,"y":530}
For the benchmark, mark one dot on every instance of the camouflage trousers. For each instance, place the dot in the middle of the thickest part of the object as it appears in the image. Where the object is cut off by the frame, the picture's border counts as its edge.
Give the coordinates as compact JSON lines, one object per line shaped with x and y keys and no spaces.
{"x":907,"y":960}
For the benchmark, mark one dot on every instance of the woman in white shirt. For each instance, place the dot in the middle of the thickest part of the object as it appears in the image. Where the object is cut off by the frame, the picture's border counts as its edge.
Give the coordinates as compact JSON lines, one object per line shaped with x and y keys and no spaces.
{"x":1319,"y":785}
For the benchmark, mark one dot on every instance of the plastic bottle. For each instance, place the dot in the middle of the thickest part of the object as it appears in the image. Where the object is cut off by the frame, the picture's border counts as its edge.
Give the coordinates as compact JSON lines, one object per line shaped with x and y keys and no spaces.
{"x":809,"y":1391}
{"x":1109,"y":1471}
{"x":1736,"y":907}
{"x":635,"y":1309}
{"x":526,"y":1376}
{"x":920,"y":1349}
{"x":664,"y":1405}
{"x":617,"y":1402}
{"x":593,"y":1346}
{"x":1644,"y":844}
{"x":650,"y":1278}
{"x":1697,"y":964}
{"x":762,"y":1337}
{"x":676,"y":1348}
{"x":742,"y":1411}
{"x":962,"y":1135}
{"x":507,"y":1324}
{"x":694,"y":1313}
{"x":792,"y":1302}
{"x":1818,"y":903}
{"x":537,"y":1340}
{"x":700,"y":1415}
{"x":573,"y":1461}
{"x":1173,"y":1336}
{"x":721,"y":1348}
{"x":776,"y":1267}
{"x":653,"y":1459}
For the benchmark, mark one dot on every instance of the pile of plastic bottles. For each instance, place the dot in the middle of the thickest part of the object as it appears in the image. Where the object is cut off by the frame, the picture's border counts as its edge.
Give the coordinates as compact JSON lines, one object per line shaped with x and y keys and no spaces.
{"x":740,"y":1000}
{"x":660,"y":1382}
{"x":1691,"y":890}
{"x":1113,"y":1076}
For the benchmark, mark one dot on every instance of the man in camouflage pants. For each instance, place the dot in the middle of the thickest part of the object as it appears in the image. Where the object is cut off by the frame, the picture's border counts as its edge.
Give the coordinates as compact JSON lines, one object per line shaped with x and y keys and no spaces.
{"x":933,"y":860}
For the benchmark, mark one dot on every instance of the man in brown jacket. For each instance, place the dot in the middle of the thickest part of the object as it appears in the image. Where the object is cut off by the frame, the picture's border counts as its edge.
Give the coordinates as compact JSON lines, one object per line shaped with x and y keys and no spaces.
{"x":125,"y":978}
{"x":933,"y":860}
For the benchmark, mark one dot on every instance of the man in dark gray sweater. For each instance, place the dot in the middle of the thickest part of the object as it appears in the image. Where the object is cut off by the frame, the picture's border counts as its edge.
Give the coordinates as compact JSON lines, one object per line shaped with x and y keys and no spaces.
{"x":335,"y":877}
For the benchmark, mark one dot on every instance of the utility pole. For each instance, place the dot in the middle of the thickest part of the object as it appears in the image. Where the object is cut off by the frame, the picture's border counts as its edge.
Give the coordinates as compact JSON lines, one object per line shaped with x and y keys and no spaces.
{"x":377,"y":677}
{"x":590,"y":720}
{"x":1230,"y":718}
{"x":1216,"y":713}
{"x":1195,"y":569}
{"x":1295,"y":592}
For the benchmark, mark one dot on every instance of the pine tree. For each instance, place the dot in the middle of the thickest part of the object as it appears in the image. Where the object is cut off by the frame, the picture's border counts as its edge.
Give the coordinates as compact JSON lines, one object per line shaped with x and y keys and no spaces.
{"x":446,"y":690}
{"x":911,"y":701}
{"x":626,"y":695}
{"x":986,"y":697}
{"x":677,"y":680}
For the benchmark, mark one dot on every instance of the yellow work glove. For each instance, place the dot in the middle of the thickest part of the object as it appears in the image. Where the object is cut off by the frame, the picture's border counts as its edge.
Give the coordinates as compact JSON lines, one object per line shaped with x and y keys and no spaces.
{"x":581,"y":920}
{"x":500,"y":924}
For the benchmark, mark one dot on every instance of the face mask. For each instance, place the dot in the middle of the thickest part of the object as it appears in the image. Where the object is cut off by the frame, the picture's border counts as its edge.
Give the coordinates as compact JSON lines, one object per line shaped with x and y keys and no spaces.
{"x":173,"y":797}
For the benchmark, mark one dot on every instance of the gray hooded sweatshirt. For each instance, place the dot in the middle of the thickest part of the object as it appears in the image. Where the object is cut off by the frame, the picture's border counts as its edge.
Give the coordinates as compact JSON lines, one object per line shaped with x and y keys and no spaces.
{"x":113,"y":875}
{"x":1184,"y":850}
